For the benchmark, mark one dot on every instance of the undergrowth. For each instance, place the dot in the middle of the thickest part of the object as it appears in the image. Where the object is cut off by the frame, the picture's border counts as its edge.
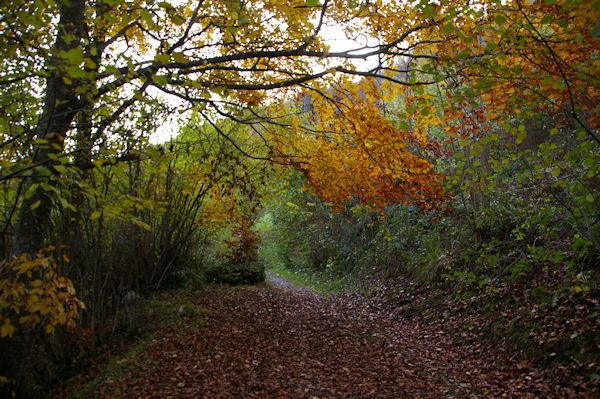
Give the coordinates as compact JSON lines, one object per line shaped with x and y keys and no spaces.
{"x":172,"y":309}
{"x":320,"y":283}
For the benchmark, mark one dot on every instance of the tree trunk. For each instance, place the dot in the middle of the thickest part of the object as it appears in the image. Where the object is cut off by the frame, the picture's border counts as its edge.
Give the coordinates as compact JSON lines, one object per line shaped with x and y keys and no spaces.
{"x":60,"y":107}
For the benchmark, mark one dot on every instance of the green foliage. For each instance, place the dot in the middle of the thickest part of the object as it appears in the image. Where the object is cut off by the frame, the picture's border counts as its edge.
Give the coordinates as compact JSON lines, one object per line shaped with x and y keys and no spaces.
{"x":188,"y":309}
{"x":131,"y":217}
{"x":523,"y":203}
{"x":321,"y":283}
{"x":236,"y":273}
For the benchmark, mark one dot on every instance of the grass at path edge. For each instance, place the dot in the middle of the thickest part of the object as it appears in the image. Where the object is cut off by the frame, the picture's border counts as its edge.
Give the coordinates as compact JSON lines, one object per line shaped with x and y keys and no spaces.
{"x":320,"y":284}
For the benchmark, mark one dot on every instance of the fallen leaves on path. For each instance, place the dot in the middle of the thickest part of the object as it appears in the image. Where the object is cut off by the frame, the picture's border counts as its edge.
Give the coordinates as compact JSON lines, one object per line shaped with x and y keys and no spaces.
{"x":265,"y":342}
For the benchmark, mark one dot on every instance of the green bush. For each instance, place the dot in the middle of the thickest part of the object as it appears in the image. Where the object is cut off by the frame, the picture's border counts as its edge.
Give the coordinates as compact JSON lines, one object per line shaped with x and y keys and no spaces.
{"x":236,"y":274}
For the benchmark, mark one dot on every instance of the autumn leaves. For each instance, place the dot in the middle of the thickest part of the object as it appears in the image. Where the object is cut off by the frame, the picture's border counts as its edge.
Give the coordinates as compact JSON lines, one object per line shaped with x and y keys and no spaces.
{"x":355,"y":151}
{"x":464,"y":75}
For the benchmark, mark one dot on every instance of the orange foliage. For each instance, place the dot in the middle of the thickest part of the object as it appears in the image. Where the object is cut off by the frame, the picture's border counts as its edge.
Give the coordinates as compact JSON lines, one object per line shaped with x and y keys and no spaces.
{"x":232,"y":183}
{"x":244,"y":242}
{"x":533,"y":56}
{"x":491,"y":62}
{"x":359,"y":153}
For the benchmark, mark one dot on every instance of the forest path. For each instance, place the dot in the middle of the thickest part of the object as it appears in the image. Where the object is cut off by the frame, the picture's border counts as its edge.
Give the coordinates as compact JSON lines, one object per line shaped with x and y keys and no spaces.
{"x":284,"y":284}
{"x":268,"y":342}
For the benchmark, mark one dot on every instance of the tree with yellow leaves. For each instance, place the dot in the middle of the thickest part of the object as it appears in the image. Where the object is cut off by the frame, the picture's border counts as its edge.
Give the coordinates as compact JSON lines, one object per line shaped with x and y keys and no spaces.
{"x":110,"y":58}
{"x":353,"y":150}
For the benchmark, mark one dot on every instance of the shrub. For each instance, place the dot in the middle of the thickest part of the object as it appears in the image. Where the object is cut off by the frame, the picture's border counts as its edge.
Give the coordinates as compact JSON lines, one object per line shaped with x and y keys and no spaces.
{"x":236,"y":273}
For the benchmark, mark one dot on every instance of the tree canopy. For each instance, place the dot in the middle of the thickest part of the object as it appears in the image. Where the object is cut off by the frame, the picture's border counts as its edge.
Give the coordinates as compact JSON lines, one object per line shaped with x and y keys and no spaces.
{"x":480,"y":114}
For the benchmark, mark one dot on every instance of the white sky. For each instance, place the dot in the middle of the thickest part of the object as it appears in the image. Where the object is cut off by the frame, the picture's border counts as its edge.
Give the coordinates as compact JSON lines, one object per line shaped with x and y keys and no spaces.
{"x":333,"y":36}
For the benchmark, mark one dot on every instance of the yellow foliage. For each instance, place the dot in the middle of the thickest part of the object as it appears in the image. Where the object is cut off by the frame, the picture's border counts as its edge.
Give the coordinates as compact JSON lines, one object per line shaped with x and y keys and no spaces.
{"x":525,"y":54}
{"x":354,"y":150}
{"x":32,"y":294}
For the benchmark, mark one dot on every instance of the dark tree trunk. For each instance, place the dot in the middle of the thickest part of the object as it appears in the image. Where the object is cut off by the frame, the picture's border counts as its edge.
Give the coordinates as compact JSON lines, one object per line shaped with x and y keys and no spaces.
{"x":60,"y":107}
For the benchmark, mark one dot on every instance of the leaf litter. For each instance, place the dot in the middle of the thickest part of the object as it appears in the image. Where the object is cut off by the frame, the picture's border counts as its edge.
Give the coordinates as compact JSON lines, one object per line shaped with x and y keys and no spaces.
{"x":268,"y":342}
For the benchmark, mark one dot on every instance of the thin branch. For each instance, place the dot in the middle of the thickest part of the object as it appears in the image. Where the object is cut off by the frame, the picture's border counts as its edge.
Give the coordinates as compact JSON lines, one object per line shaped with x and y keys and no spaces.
{"x":226,"y":137}
{"x":181,"y":40}
{"x":558,"y":64}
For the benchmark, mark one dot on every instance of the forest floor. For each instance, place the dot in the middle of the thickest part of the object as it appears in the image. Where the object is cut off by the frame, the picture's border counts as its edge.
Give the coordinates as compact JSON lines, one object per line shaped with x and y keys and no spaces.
{"x":277,"y":340}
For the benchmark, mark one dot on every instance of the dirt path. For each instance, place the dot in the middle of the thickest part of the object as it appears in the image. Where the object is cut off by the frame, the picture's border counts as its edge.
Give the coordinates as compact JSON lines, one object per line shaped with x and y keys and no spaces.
{"x":265,"y":342}
{"x":284,"y":284}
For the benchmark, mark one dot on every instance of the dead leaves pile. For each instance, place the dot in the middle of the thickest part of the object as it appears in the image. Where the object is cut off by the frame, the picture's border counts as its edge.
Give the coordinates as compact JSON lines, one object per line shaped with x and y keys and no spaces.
{"x":264,"y":342}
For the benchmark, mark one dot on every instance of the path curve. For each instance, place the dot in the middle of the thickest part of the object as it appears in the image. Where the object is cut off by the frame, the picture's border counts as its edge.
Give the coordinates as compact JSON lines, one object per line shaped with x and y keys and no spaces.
{"x":284,"y":284}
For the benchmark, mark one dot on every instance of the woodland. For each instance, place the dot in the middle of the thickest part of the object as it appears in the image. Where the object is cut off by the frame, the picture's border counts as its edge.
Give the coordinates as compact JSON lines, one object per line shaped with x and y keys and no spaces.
{"x":418,"y":182}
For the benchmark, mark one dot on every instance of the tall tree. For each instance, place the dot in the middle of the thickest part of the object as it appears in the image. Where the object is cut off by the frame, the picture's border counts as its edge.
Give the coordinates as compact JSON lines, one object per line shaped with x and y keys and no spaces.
{"x":113,"y":64}
{"x":61,"y":104}
{"x":110,"y":56}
